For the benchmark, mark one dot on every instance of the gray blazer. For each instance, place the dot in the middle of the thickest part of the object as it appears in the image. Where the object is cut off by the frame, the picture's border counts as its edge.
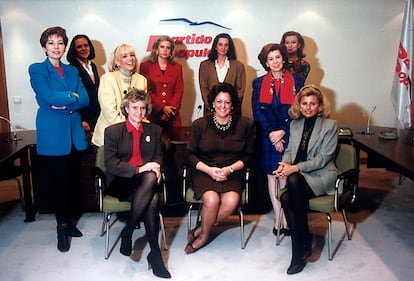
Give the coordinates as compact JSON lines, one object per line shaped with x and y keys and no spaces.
{"x":319,"y":170}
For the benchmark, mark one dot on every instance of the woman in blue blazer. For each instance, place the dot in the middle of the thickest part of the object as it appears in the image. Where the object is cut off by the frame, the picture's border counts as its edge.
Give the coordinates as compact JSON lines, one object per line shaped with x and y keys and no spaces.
{"x":308,"y":165}
{"x":60,"y":137}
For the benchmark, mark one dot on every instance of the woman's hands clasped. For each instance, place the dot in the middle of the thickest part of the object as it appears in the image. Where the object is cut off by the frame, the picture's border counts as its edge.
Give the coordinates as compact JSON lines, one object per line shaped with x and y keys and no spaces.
{"x":276,"y":138}
{"x":284,"y":170}
{"x":152,"y":167}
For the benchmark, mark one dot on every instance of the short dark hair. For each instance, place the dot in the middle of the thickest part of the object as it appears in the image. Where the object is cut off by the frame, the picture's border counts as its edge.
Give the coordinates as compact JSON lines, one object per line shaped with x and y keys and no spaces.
{"x":71,"y":56}
{"x":135,"y":95}
{"x":231,"y":53}
{"x":54,"y":30}
{"x":269,"y":48}
{"x":225,"y":88}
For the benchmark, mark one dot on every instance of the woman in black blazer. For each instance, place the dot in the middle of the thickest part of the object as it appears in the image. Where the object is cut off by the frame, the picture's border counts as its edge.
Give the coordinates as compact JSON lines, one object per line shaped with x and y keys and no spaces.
{"x":133,"y":157}
{"x":80,"y":54}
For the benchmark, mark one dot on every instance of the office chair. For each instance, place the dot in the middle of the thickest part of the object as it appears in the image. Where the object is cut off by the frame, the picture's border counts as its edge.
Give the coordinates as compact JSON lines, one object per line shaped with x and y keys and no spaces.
{"x":110,"y":205}
{"x":188,"y":196}
{"x":345,"y":192}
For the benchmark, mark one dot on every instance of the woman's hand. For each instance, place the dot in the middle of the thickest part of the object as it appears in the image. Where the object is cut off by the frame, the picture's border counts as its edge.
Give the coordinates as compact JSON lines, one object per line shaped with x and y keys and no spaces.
{"x":218,"y":174}
{"x":152,"y":167}
{"x":284,"y":170}
{"x":276,"y":138}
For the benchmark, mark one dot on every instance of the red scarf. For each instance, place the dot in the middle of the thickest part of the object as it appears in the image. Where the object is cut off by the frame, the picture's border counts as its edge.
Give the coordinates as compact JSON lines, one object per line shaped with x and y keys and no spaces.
{"x":287,"y":89}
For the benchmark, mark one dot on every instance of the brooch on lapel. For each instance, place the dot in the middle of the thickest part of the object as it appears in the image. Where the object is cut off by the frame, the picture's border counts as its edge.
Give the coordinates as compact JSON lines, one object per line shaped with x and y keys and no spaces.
{"x":147,"y":138}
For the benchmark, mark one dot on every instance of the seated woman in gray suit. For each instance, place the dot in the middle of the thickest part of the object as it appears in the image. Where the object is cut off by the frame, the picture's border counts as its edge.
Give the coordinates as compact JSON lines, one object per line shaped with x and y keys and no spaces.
{"x":133,"y":156}
{"x":308,"y":165}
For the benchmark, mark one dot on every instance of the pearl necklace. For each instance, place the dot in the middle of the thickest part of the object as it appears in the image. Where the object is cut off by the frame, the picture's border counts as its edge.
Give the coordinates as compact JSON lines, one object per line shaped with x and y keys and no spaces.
{"x":222,"y":127}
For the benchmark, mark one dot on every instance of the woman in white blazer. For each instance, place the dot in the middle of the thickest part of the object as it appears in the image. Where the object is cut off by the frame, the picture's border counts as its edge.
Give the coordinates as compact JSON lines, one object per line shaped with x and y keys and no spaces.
{"x":308,"y":165}
{"x":122,"y":77}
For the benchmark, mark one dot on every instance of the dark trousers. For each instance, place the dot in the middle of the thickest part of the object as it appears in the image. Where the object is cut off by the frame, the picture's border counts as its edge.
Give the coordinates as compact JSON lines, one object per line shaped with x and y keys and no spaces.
{"x":62,"y":182}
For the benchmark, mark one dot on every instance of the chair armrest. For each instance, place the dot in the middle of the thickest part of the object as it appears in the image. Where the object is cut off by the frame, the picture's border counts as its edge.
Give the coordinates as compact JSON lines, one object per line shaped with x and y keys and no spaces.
{"x":185,"y":171}
{"x":164,"y":186}
{"x":99,"y":183}
{"x":348,"y":179}
{"x":247,"y":184}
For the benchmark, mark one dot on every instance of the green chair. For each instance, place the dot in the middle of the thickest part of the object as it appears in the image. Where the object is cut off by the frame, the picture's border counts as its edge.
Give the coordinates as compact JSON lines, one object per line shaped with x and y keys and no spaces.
{"x":188,"y":196}
{"x":345,"y":191}
{"x":110,"y":205}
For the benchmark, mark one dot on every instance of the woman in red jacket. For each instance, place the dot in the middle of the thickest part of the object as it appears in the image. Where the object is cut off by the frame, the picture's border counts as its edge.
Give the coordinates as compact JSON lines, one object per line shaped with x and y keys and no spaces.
{"x":165,"y":83}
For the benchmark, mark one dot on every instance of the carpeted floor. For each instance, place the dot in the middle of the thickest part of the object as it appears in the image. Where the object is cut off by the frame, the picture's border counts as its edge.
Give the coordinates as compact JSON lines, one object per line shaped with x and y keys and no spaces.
{"x":382,"y":245}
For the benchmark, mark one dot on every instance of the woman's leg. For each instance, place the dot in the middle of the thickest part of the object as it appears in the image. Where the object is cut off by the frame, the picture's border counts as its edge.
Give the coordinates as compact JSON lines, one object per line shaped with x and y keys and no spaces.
{"x":139,"y":202}
{"x":152,"y":225}
{"x":295,"y":205}
{"x":209,"y":212}
{"x":271,"y":184}
{"x":228,"y":203}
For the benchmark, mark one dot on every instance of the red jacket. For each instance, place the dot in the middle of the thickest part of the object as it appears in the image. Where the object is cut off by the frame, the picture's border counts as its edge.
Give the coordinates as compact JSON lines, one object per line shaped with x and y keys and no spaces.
{"x":165,"y":89}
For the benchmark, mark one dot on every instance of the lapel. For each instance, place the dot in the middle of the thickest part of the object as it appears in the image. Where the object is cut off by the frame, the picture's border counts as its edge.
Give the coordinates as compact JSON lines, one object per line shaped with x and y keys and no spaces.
{"x":315,"y":137}
{"x":55,"y":76}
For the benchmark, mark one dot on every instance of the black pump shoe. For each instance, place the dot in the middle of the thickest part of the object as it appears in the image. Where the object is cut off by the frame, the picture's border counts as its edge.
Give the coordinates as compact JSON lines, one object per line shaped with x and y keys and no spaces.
{"x":126,"y":243}
{"x":158,"y":268}
{"x":63,"y":244}
{"x":74,"y":231}
{"x":296,"y":267}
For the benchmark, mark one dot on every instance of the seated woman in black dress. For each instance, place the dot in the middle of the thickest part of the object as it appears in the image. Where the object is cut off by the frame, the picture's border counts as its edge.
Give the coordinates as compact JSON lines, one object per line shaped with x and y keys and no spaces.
{"x":220,"y":147}
{"x":133,"y":156}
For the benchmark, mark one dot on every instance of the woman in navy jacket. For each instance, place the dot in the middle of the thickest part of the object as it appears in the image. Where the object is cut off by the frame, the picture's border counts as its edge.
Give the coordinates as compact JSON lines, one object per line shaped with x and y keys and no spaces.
{"x":60,"y":137}
{"x":273,"y":94}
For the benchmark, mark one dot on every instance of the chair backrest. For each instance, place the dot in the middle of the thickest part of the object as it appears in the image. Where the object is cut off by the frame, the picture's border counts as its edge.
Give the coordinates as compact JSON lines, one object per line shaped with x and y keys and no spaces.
{"x":346,"y":162}
{"x":346,"y":158}
{"x":100,"y":158}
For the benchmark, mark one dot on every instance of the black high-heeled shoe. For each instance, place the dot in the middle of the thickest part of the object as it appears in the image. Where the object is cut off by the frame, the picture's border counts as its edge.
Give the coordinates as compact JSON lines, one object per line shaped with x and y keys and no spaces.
{"x":63,"y":244}
{"x":156,"y":263}
{"x":74,"y":231}
{"x":126,"y":243}
{"x":296,"y":266}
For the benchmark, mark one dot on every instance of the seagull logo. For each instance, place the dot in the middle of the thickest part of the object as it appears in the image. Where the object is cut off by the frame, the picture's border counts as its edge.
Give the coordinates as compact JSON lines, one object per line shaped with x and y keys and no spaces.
{"x":194,"y":22}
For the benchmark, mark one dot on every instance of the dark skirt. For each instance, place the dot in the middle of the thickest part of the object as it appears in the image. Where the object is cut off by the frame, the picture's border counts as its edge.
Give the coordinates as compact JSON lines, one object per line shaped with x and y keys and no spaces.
{"x":124,"y":188}
{"x":203,"y":182}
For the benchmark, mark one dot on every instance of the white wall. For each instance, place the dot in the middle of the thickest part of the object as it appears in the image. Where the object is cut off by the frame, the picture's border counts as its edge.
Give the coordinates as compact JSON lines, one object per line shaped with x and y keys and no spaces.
{"x":351,"y":44}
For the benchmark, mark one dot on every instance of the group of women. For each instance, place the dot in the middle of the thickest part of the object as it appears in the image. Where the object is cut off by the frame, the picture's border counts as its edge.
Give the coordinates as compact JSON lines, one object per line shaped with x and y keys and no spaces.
{"x":129,"y":104}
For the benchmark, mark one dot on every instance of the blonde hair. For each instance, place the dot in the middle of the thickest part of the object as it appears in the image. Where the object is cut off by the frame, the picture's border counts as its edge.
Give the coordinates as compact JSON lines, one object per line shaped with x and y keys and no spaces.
{"x":306,"y":91}
{"x":113,"y":64}
{"x":154,"y":56}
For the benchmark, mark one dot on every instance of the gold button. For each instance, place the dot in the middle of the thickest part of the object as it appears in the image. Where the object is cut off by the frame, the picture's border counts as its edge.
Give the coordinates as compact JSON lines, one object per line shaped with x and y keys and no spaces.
{"x":164,"y":85}
{"x":164,"y":94}
{"x":163,"y":101}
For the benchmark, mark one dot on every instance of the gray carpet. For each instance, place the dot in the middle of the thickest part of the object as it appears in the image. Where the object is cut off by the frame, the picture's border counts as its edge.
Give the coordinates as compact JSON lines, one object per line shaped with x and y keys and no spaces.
{"x":382,"y":245}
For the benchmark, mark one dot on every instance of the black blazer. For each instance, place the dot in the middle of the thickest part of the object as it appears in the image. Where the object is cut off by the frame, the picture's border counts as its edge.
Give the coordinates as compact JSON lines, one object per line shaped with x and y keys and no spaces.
{"x":118,"y":149}
{"x":89,"y":114}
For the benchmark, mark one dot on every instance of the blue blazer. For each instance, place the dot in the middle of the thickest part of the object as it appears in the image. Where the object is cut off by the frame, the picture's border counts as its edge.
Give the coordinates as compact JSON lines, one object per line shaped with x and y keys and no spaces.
{"x":58,"y":119}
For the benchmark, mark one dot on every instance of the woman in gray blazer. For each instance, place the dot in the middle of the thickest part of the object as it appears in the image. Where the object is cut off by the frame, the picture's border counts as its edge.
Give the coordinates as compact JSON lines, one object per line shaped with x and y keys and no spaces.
{"x":308,"y":165}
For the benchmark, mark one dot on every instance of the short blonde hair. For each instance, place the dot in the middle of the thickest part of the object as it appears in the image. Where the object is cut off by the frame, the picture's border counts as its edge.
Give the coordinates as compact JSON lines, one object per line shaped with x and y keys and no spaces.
{"x":306,"y":91}
{"x":113,"y":64}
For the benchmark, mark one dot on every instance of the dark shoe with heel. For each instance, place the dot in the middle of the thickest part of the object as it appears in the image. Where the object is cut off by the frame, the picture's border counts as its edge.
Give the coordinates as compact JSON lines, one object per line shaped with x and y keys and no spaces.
{"x":63,"y":244}
{"x":296,"y":266}
{"x":156,"y":263}
{"x":74,"y":231}
{"x":284,"y":231}
{"x":126,"y":243}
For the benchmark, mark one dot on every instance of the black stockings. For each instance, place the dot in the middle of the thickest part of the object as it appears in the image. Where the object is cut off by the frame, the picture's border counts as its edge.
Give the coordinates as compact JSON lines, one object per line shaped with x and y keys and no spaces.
{"x":145,"y":207}
{"x":295,"y":205}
